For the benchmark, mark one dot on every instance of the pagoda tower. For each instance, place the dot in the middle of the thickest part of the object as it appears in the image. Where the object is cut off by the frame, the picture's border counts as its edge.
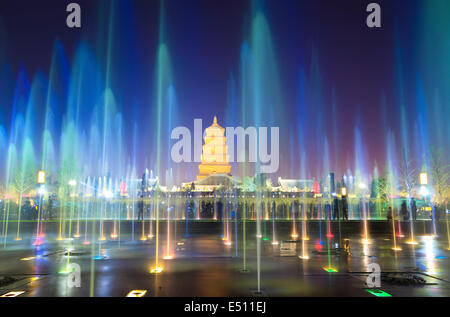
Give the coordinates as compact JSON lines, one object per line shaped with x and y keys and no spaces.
{"x":214,"y":155}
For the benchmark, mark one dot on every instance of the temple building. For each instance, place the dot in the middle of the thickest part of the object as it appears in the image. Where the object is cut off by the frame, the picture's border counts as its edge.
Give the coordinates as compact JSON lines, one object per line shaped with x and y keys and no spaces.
{"x":215,"y":158}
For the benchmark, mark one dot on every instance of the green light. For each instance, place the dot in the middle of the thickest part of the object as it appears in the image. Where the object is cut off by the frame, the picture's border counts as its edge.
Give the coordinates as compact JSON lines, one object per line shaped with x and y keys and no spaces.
{"x":65,"y":271}
{"x":378,"y":292}
{"x":330,"y":270}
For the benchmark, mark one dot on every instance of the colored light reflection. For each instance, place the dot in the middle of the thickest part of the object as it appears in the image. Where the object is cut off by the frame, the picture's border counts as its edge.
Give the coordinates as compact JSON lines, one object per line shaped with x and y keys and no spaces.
{"x":13,"y":294}
{"x":378,"y":293}
{"x":430,"y":255}
{"x":65,"y":271}
{"x":330,"y":270}
{"x":304,"y":257}
{"x":156,"y":270}
{"x":98,"y":257}
{"x":137,"y":293}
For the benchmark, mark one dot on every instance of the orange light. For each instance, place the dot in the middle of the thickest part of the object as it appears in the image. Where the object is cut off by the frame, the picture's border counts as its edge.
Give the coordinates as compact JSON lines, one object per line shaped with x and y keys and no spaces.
{"x":156,"y":270}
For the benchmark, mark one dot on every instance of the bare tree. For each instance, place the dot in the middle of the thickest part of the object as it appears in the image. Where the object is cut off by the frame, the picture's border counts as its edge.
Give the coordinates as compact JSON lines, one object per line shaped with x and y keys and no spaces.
{"x":385,"y":186}
{"x":439,"y":177}
{"x":24,"y":179}
{"x":408,"y":175}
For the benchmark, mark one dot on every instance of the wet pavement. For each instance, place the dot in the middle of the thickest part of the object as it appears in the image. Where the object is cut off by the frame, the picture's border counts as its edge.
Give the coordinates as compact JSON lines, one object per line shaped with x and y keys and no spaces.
{"x":204,"y":266}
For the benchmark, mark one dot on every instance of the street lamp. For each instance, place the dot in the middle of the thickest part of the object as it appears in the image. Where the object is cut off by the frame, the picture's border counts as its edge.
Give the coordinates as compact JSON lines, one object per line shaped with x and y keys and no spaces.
{"x":72,"y":183}
{"x":343,"y":191}
{"x":41,"y":177}
{"x":423,"y":178}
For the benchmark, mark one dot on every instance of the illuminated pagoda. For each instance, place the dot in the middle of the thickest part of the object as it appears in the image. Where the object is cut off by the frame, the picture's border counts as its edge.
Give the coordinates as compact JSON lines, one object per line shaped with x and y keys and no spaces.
{"x":215,"y":158}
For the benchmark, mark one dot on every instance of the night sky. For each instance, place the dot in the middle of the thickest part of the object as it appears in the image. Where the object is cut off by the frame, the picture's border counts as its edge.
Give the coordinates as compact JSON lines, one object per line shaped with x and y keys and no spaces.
{"x":360,"y":65}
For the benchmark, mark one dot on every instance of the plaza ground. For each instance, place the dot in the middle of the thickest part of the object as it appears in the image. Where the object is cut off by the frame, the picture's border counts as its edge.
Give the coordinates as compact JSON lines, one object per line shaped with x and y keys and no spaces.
{"x":203,"y":266}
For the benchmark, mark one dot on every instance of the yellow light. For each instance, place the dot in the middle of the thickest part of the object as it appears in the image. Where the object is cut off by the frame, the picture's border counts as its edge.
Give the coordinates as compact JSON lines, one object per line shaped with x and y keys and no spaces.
{"x":227,"y":243}
{"x":294,"y":235}
{"x":150,"y":236}
{"x":412,"y":242}
{"x":13,"y":294}
{"x":18,"y":239}
{"x":114,"y":235}
{"x":423,"y":178}
{"x":365,"y":241}
{"x":344,"y":191}
{"x":136,"y":293}
{"x":156,"y":270}
{"x":275,"y":243}
{"x":143,"y":238}
{"x":28,"y":259}
{"x":305,"y":238}
{"x":304,"y":257}
{"x":168,"y":257}
{"x":76,"y":235}
{"x":396,"y":249}
{"x":41,"y":177}
{"x":102,"y":238}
